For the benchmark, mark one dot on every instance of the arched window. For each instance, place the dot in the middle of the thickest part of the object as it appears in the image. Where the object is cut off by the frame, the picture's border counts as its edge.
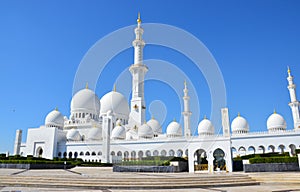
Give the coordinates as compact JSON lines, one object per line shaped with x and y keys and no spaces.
{"x":133,"y":155}
{"x":281,"y":148}
{"x":155,"y":153}
{"x":87,"y":153}
{"x":119,"y":154}
{"x":179,"y":153}
{"x":59,"y":154}
{"x":163,"y":153}
{"x":81,"y":153}
{"x":93,"y":153}
{"x":75,"y":155}
{"x":99,"y":153}
{"x":171,"y":153}
{"x":70,"y":155}
{"x":148,"y":153}
{"x":251,"y":150}
{"x":140,"y":154}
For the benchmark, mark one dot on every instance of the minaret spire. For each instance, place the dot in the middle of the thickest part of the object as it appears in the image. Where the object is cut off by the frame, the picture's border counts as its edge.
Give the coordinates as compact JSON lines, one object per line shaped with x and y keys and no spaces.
{"x":138,"y":71}
{"x":186,"y":112}
{"x":294,"y":104}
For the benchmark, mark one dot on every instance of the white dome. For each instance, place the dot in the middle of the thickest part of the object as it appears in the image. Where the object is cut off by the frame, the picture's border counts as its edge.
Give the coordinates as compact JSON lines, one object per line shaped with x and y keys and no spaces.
{"x":54,"y":119}
{"x":115,"y":102}
{"x":94,"y":134}
{"x":85,"y":100}
{"x":145,"y":131}
{"x":174,"y":129}
{"x":118,"y":132}
{"x":276,"y":122}
{"x":239,"y":125}
{"x":155,"y":126}
{"x":73,"y":135}
{"x":206,"y":127}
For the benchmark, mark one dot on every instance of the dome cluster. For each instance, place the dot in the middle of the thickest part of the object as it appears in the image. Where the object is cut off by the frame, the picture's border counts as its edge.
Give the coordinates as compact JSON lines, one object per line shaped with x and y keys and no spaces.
{"x":86,"y":107}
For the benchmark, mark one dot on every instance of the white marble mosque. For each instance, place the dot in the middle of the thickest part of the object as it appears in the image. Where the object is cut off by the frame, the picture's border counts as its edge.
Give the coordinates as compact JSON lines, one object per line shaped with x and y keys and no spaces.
{"x":112,"y":130}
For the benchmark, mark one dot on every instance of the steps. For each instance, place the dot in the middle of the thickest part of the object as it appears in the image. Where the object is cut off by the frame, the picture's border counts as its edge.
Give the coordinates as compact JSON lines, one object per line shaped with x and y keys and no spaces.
{"x":109,"y":180}
{"x":277,"y":177}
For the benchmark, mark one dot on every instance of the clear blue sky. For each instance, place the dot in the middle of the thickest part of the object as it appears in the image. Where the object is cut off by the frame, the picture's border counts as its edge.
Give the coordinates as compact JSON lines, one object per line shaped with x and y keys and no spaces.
{"x":43,"y":42}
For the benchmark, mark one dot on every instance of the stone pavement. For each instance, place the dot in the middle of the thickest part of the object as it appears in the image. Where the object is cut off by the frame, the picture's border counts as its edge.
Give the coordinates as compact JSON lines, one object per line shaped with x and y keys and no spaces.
{"x":279,"y":182}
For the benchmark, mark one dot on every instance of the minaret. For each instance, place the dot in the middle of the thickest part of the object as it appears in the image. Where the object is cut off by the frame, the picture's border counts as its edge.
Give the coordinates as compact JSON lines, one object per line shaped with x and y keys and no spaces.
{"x":138,"y":71}
{"x":294,"y":104}
{"x":186,"y":112}
{"x":18,"y":141}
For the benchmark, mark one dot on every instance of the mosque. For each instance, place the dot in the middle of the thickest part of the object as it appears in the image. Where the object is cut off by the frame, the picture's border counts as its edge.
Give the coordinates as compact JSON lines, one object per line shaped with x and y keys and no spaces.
{"x":111,"y":130}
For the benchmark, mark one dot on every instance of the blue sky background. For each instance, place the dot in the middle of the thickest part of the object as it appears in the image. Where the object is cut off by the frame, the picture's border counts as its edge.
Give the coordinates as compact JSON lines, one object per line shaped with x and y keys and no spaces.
{"x":42,"y":44}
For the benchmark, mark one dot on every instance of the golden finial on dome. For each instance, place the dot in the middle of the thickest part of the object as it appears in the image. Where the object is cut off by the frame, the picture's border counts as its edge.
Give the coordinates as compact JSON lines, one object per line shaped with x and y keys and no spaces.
{"x":239,"y":114}
{"x":56,"y":109}
{"x":115,"y":89}
{"x":289,"y":70}
{"x":274,"y":111}
{"x":152,"y":117}
{"x":87,"y":85}
{"x":205,"y":117}
{"x":174,"y":119}
{"x":139,"y":18}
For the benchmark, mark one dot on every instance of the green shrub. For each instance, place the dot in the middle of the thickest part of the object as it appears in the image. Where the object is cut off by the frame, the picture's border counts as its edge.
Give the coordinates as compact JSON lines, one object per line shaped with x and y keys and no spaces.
{"x":283,"y":159}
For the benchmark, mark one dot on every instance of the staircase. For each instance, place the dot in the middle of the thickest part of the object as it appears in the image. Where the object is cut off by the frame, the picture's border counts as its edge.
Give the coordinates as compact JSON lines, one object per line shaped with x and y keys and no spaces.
{"x":110,"y":180}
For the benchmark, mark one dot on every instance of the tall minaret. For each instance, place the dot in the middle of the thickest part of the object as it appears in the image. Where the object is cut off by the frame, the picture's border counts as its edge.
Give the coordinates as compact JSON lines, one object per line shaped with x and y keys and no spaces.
{"x":294,"y":104}
{"x":138,"y":71}
{"x":186,"y":112}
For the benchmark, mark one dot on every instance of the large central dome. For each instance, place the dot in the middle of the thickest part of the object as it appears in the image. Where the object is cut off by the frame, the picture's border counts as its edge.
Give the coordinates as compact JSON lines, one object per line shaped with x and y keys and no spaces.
{"x":116,"y":103}
{"x":86,"y":101}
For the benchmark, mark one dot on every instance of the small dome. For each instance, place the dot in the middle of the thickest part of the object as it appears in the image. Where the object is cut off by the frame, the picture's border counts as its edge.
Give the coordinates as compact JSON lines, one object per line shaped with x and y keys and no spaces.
{"x":94,"y":134}
{"x":85,"y":100}
{"x":239,"y":125}
{"x":206,"y":127}
{"x":118,"y":132}
{"x":276,"y":122}
{"x":145,"y":131}
{"x":155,"y":126}
{"x":174,"y":129}
{"x":54,"y":119}
{"x":116,"y":103}
{"x":73,"y":135}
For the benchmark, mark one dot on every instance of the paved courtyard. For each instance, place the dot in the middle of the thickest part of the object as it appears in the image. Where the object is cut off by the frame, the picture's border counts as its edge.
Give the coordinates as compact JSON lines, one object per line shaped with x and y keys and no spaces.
{"x":280,"y":182}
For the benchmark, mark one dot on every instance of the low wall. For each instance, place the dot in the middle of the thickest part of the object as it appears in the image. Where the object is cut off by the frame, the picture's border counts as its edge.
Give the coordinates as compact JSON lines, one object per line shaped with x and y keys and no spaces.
{"x":156,"y":169}
{"x":35,"y":166}
{"x":271,"y":167}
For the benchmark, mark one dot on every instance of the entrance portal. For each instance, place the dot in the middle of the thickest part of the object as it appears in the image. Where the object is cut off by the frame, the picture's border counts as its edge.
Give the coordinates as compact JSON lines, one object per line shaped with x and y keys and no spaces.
{"x":39,"y":152}
{"x":219,"y":161}
{"x":200,"y":162}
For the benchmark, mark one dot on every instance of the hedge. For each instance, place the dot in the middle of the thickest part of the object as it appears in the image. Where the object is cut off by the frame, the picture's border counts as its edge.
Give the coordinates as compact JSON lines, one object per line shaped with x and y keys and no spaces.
{"x":285,"y":159}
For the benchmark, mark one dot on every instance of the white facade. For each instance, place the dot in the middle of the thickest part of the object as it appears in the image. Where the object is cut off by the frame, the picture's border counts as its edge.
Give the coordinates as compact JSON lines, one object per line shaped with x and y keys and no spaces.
{"x":111,"y":130}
